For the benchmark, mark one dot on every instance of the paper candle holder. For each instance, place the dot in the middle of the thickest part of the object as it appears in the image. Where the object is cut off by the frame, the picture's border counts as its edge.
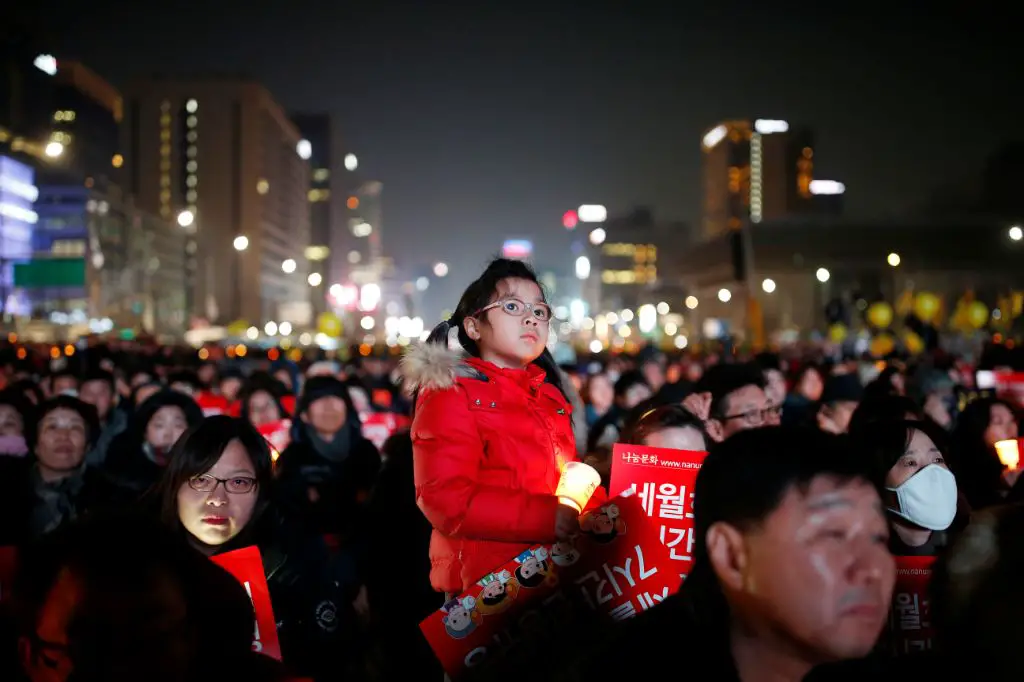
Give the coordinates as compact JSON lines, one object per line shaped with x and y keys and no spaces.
{"x":577,"y":485}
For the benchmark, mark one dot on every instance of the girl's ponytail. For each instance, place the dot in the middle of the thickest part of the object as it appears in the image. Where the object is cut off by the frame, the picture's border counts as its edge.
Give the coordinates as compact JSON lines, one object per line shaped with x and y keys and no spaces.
{"x":439,"y":334}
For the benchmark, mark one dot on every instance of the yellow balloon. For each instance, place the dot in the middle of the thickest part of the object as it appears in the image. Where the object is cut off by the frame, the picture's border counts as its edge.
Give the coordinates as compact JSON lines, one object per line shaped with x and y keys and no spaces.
{"x":913,"y":342}
{"x":926,"y":306}
{"x":882,"y":345}
{"x":837,"y":333}
{"x":977,"y":314}
{"x":880,"y":314}
{"x":329,"y":324}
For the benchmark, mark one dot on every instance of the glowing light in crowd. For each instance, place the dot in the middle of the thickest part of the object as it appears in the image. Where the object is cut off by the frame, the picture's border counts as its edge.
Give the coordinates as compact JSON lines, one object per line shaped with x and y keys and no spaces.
{"x":582,"y":267}
{"x":241,"y":243}
{"x":663,"y":308}
{"x":827,"y":187}
{"x":186,"y":218}
{"x":592,"y":213}
{"x":595,"y":346}
{"x":440,"y":269}
{"x":367,"y":322}
{"x":285,"y":328}
{"x":191,"y":106}
{"x":252,"y":333}
{"x":351,"y":162}
{"x":270,"y":328}
{"x":369,"y":296}
{"x":304,"y":149}
{"x":648,"y":315}
{"x":893,"y":259}
{"x":681,"y":342}
{"x":691,"y":302}
{"x":1016,"y":234}
{"x":768,"y":285}
{"x":714,"y":136}
{"x":46,"y":63}
{"x":54,"y":149}
{"x":597,"y":236}
{"x":767,"y":126}
{"x":577,"y":485}
{"x":288,"y":266}
{"x":823,"y":275}
{"x":724,"y":295}
{"x":314,"y":279}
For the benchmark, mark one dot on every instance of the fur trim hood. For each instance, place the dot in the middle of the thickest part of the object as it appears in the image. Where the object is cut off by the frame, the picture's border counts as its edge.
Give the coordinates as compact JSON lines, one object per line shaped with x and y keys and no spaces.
{"x":430,"y":365}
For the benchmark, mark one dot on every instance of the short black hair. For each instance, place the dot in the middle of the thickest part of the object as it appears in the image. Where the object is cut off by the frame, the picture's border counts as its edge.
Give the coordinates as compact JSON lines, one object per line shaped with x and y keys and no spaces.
{"x":627,"y":381}
{"x":654,"y":418}
{"x":67,"y":402}
{"x":723,"y":380}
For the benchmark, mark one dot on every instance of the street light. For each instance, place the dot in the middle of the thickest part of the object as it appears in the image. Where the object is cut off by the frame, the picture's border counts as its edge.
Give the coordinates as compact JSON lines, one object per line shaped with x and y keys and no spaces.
{"x":186,"y":218}
{"x":241,"y":243}
{"x":582,"y":267}
{"x":288,"y":266}
{"x":691,"y":302}
{"x":724,"y":295}
{"x":304,"y":149}
{"x":893,"y":259}
{"x":351,"y":162}
{"x":597,"y":236}
{"x":823,"y":275}
{"x":440,"y":269}
{"x":54,"y":149}
{"x":314,"y":279}
{"x":1016,"y":234}
{"x":768,"y":286}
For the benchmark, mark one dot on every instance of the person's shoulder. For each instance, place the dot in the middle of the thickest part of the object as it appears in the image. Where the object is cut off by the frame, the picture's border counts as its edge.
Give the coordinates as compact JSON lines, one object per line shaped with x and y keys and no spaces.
{"x":431,"y":367}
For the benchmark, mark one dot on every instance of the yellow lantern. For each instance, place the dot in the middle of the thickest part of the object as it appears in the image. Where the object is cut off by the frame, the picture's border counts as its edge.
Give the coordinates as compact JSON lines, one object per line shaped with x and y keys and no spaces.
{"x":926,"y":306}
{"x":329,"y":324}
{"x":977,"y":314}
{"x":880,"y":314}
{"x":882,"y":345}
{"x":837,"y":333}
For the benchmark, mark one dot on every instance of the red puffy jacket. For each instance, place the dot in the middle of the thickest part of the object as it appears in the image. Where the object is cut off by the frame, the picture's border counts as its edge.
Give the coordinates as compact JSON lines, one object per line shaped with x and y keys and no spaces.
{"x":489,"y":445}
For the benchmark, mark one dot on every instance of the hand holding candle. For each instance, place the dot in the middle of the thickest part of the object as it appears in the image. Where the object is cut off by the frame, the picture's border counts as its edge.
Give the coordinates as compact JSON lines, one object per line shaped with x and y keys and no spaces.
{"x":1009,"y":453}
{"x":577,"y":485}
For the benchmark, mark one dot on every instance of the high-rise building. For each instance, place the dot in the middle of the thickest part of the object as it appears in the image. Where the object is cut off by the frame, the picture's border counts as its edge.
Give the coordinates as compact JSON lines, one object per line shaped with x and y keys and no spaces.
{"x":221,"y":157}
{"x":326,"y":204}
{"x":755,"y":171}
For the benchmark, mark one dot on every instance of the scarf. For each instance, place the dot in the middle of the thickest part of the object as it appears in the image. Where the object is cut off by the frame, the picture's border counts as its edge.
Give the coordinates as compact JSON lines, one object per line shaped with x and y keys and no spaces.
{"x":337,"y":450}
{"x":56,"y":501}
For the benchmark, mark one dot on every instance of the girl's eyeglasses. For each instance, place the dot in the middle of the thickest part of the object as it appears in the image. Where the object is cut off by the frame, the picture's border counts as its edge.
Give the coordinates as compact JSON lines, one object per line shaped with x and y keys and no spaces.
{"x":516,"y":308}
{"x":239,"y":485}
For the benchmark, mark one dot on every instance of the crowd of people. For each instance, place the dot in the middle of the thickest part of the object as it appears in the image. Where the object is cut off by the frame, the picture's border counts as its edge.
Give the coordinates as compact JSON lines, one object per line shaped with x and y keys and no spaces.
{"x":124,"y":473}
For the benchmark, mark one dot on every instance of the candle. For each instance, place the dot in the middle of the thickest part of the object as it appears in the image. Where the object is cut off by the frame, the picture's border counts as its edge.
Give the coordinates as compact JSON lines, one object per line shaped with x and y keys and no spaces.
{"x":577,"y":485}
{"x":1009,"y":453}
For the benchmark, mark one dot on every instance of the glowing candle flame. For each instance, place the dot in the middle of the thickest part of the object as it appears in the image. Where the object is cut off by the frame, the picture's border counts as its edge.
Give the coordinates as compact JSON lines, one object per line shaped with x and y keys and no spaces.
{"x":577,"y":485}
{"x":1009,"y":453}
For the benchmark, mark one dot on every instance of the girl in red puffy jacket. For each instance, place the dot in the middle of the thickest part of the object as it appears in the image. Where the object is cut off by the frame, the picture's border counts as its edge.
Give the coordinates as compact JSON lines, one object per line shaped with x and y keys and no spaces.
{"x":492,"y":429}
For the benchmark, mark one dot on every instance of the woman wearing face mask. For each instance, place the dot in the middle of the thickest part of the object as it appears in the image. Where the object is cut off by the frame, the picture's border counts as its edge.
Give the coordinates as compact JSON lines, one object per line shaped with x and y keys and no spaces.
{"x":919,"y":491}
{"x":492,"y":429}
{"x":139,"y":454}
{"x":217,"y":492}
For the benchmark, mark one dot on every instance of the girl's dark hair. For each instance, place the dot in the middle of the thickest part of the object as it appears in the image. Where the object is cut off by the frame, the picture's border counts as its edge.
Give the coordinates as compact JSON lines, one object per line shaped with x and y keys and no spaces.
{"x":478,"y":295}
{"x":976,"y":464}
{"x":656,"y":418}
{"x":198,"y":450}
{"x":884,"y":443}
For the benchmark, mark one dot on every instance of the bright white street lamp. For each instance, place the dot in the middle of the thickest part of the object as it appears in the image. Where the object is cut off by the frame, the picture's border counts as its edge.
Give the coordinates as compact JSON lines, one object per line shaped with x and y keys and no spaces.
{"x":724,"y":295}
{"x":54,"y":149}
{"x":440,"y":269}
{"x":893,"y":259}
{"x":304,"y":149}
{"x":582,"y":267}
{"x":367,"y":322}
{"x":186,"y":218}
{"x":351,"y":162}
{"x":288,"y":266}
{"x":314,"y":279}
{"x":241,"y":243}
{"x":1016,"y":233}
{"x":768,"y":285}
{"x":823,"y":275}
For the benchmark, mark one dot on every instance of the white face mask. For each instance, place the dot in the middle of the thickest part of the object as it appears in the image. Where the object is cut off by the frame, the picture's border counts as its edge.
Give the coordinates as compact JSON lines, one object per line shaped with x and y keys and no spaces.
{"x":928,"y":498}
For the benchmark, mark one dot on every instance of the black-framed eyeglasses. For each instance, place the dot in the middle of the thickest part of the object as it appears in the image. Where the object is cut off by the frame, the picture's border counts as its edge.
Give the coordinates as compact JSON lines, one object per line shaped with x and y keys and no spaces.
{"x":756,"y":417}
{"x":237,"y":485}
{"x":516,"y":308}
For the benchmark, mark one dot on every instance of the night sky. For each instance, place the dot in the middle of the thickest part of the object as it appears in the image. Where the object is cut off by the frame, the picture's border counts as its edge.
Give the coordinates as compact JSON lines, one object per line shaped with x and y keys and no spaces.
{"x":492,"y":122}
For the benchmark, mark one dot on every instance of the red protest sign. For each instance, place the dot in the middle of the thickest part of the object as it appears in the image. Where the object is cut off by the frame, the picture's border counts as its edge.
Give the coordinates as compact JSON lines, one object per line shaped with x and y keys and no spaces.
{"x":379,"y":426}
{"x":1010,"y":387}
{"x":616,"y":568}
{"x":212,"y":404}
{"x":8,"y":569}
{"x":663,"y":479}
{"x":246,"y":565}
{"x":910,"y":617}
{"x":278,"y":433}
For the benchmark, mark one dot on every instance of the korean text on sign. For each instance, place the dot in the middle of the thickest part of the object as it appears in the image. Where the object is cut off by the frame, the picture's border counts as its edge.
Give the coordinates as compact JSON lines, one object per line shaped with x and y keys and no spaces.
{"x":910,"y":620}
{"x":663,"y":479}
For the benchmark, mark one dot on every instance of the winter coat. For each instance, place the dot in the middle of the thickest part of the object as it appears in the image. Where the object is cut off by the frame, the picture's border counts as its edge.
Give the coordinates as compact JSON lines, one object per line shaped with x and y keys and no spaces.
{"x":489,"y":445}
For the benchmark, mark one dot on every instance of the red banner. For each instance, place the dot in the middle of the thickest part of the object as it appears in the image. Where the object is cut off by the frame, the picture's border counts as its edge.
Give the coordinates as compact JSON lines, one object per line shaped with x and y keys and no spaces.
{"x":663,"y":479}
{"x":1010,"y":387}
{"x":246,"y":565}
{"x":616,"y":567}
{"x":212,"y":404}
{"x":910,"y":619}
{"x":379,"y":426}
{"x":278,"y":434}
{"x":8,"y":569}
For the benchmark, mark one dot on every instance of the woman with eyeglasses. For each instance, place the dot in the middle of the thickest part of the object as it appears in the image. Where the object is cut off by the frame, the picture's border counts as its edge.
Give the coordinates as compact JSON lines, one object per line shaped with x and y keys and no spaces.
{"x":218,"y":493}
{"x":492,"y":429}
